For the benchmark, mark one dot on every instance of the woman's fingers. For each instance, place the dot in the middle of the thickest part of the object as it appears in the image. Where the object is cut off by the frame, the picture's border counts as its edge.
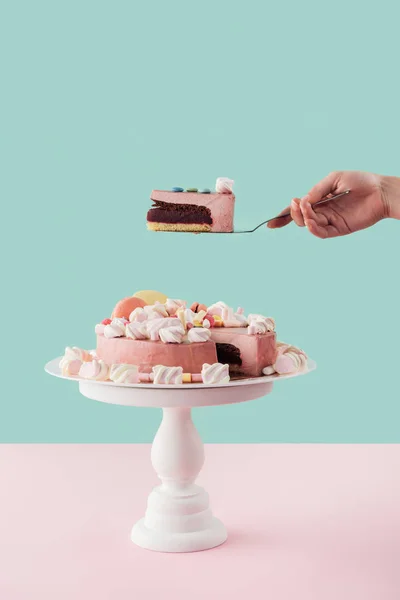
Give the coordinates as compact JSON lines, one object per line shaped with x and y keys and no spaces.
{"x":278,"y":223}
{"x":296,"y":213}
{"x":324,"y":187}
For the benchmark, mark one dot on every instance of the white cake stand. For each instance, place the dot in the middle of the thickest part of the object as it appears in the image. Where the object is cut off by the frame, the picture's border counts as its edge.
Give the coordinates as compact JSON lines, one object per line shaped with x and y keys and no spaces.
{"x":178,"y":516}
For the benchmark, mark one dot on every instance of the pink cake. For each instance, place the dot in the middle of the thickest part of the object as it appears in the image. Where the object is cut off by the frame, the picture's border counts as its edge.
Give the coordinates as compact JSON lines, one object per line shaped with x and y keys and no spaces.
{"x":179,"y":210}
{"x":163,"y":341}
{"x":146,"y":354}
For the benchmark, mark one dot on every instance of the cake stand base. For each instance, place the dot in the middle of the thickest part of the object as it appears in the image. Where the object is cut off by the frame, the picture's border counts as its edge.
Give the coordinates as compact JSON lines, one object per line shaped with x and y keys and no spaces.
{"x":193,"y":541}
{"x":178,"y":516}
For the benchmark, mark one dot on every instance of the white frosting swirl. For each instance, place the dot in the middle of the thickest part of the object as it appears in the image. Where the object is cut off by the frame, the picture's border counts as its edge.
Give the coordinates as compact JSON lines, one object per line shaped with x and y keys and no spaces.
{"x":154,"y":326}
{"x":157,"y":309}
{"x":172,"y":306}
{"x":136,"y":331}
{"x":139,"y":315}
{"x":216,"y":373}
{"x":115,"y":329}
{"x":199,"y":334}
{"x":124,"y":373}
{"x":97,"y":370}
{"x":169,"y":375}
{"x":172,"y":335}
{"x":224,"y":185}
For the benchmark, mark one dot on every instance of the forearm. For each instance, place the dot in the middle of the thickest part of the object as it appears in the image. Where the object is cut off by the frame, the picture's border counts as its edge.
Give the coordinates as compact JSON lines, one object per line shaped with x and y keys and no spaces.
{"x":391,"y":196}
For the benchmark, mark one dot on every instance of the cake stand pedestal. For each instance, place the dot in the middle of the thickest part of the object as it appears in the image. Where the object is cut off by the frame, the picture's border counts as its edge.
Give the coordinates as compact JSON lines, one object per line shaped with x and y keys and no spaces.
{"x":178,"y":516}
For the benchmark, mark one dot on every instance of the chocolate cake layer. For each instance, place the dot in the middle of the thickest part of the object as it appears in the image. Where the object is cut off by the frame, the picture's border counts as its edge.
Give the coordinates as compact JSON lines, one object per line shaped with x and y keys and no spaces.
{"x":165,"y":212}
{"x":228,"y":354}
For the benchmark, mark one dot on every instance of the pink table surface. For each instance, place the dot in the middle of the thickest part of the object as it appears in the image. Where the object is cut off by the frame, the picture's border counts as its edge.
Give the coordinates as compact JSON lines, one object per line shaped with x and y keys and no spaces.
{"x":308,"y":522}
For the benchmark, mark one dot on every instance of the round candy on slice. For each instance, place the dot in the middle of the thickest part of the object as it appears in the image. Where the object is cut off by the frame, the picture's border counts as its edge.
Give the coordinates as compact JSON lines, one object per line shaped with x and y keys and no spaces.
{"x":124,"y":307}
{"x":192,"y":190}
{"x":177,"y":189}
{"x":150,"y":297}
{"x":205,"y":191}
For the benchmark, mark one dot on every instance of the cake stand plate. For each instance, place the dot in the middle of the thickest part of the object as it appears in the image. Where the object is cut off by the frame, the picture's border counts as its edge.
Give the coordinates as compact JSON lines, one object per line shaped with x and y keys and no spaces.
{"x":178,"y":516}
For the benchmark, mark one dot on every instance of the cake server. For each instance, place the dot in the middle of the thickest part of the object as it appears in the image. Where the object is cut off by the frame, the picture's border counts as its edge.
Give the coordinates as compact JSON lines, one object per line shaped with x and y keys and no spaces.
{"x":286,"y":214}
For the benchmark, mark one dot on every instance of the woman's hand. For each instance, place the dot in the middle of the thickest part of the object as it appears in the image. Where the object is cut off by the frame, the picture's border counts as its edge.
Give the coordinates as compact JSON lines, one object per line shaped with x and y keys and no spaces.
{"x":372,"y":198}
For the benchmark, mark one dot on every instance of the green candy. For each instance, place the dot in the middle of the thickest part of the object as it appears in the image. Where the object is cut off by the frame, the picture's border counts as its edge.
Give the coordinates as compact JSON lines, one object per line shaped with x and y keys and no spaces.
{"x":192,"y":190}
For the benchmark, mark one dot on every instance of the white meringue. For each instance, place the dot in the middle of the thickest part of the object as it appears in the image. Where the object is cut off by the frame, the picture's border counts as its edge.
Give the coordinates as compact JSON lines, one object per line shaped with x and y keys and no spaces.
{"x":199,"y":334}
{"x":217,"y":308}
{"x":124,"y":373}
{"x":77,"y":353}
{"x":260,"y":325}
{"x":156,"y":308}
{"x":216,"y":373}
{"x":96,"y":369}
{"x":99,"y":329}
{"x":138,"y":314}
{"x":172,"y":306}
{"x":136,"y":330}
{"x":154,"y":326}
{"x":268,"y":370}
{"x":172,"y":335}
{"x":70,"y":366}
{"x":224,"y":185}
{"x":167,"y":375}
{"x":115,"y":329}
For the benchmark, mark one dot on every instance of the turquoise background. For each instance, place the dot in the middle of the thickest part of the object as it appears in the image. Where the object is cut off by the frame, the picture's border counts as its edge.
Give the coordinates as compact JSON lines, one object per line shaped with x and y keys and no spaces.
{"x":103,"y":101}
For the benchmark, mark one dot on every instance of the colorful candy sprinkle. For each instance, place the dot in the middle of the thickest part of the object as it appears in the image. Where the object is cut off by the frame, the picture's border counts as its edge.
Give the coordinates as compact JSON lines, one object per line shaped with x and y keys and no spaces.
{"x":194,"y":190}
{"x":106,"y":321}
{"x":205,"y":191}
{"x":177,"y":189}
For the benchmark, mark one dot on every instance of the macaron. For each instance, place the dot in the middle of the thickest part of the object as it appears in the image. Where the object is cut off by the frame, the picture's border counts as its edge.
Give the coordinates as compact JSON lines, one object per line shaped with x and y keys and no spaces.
{"x":124,"y":307}
{"x":150,"y":297}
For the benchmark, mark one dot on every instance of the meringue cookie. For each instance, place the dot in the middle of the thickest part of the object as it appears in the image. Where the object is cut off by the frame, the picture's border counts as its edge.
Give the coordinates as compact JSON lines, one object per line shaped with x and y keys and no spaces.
{"x":136,"y":331}
{"x":268,"y":370}
{"x":124,"y":373}
{"x":216,"y":373}
{"x":115,"y":329}
{"x":217,"y":308}
{"x":174,"y":305}
{"x":77,"y":353}
{"x":269,"y":320}
{"x":154,"y":326}
{"x":172,"y":335}
{"x":99,"y":329}
{"x":139,"y":315}
{"x":186,"y":316}
{"x":96,"y":369}
{"x":232,"y":319}
{"x":290,"y":362}
{"x":70,"y":366}
{"x":199,"y":334}
{"x":157,"y":308}
{"x":260,"y":325}
{"x":224,"y":185}
{"x":170,"y":375}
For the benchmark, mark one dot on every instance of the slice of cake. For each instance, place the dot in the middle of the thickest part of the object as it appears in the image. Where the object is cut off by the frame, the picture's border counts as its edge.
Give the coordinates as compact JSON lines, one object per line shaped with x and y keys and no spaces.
{"x":193,"y":210}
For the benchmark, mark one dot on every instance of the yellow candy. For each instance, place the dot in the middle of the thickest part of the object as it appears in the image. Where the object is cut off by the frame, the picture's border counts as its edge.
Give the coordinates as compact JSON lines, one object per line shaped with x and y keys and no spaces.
{"x":187,"y":378}
{"x":218,"y":322}
{"x":150,"y":296}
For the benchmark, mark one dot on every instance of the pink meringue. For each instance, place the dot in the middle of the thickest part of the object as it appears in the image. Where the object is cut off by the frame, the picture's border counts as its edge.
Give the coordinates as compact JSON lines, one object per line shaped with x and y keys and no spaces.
{"x":136,"y":330}
{"x":216,"y":373}
{"x":167,"y":375}
{"x":172,"y":335}
{"x":115,"y":329}
{"x":96,"y":369}
{"x":199,"y":334}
